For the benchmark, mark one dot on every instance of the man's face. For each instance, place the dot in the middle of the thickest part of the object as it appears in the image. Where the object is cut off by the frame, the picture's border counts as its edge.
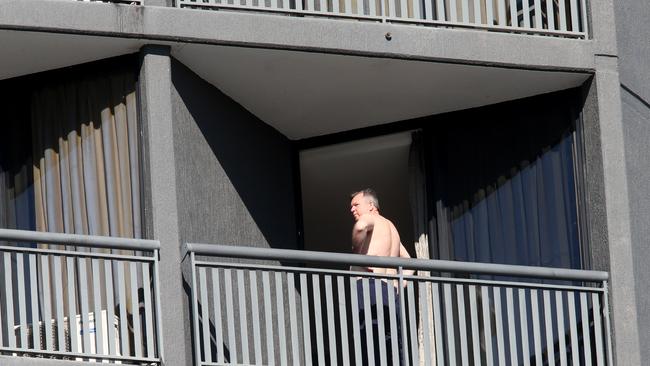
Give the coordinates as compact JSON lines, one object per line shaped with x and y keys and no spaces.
{"x":360,"y":205}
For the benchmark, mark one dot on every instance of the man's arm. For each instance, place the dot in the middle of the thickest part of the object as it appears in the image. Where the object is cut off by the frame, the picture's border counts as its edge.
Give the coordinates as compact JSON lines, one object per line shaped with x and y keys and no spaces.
{"x":361,"y":229}
{"x":403,"y":253}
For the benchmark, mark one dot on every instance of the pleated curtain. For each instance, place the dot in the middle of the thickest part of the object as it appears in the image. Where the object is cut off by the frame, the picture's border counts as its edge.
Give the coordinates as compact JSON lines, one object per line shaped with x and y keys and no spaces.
{"x":86,"y":173}
{"x":504,"y":181}
{"x":85,"y":153}
{"x":418,"y":203}
{"x":16,"y":190}
{"x":527,"y":216}
{"x":528,"y":219}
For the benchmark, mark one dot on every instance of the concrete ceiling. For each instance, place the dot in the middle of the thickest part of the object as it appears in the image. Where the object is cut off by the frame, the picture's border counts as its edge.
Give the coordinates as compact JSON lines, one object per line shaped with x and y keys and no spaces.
{"x":303,"y":94}
{"x":23,"y":53}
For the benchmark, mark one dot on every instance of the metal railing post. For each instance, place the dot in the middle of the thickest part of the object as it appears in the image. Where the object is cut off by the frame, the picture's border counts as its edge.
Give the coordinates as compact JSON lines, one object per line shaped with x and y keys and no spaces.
{"x":608,"y":332}
{"x":159,"y":332}
{"x":195,"y":308}
{"x":402,"y":314}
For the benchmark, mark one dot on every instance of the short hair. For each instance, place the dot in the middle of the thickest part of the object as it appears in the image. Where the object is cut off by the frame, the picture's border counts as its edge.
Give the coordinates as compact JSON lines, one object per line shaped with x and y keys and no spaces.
{"x":370,"y":193}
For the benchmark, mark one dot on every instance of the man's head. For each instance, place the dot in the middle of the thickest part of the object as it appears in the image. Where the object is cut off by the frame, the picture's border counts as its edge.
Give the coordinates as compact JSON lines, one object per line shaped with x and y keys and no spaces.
{"x":363,"y":202}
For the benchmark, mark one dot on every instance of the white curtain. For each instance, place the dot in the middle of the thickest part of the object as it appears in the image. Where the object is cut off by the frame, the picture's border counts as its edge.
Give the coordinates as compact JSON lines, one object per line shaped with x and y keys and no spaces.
{"x":86,"y":173}
{"x":85,"y":152}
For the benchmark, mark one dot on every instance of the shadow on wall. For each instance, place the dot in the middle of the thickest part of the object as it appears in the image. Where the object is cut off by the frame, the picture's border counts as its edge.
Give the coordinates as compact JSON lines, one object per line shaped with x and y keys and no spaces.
{"x":234,"y":172}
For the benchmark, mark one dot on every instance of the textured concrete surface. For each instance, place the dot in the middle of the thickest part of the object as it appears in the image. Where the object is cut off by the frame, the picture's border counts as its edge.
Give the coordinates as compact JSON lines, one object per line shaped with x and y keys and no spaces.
{"x":632,"y":29}
{"x":171,"y":25}
{"x":234,"y":175}
{"x":621,"y":264}
{"x":595,"y":210}
{"x":602,"y":26}
{"x":158,"y":2}
{"x":636,"y":117}
{"x":234,"y":172}
{"x":161,"y":201}
{"x":33,"y":361}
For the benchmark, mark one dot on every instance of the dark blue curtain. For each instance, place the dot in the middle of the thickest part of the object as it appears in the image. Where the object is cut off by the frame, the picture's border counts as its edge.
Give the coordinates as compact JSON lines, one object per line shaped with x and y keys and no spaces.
{"x":503,"y":184}
{"x":16,"y":182}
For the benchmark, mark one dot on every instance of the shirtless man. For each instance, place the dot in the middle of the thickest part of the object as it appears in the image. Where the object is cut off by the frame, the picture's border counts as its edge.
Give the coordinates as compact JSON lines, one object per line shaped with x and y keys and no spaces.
{"x":372,"y":233}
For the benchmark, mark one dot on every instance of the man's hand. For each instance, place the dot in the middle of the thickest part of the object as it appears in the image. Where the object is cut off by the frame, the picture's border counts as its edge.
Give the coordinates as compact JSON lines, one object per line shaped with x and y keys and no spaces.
{"x":362,"y":228}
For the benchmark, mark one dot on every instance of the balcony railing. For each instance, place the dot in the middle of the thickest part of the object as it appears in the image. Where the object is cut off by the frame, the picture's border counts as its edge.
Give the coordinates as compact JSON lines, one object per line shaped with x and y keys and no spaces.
{"x":130,"y":2}
{"x":83,"y":298}
{"x":450,"y":313}
{"x":563,"y":18}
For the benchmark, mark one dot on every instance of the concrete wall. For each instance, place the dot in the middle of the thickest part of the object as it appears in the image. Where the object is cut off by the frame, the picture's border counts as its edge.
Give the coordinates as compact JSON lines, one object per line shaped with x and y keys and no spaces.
{"x":636,"y":118}
{"x":234,"y":173}
{"x":632,"y":29}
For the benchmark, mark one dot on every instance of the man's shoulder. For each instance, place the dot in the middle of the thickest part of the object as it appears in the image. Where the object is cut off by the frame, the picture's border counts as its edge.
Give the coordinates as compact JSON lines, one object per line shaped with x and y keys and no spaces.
{"x":384,"y":219}
{"x":391,"y":226}
{"x":387,"y":222}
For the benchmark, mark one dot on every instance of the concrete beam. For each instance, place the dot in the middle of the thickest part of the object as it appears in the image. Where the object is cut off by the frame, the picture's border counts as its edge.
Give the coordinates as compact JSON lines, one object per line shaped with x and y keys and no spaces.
{"x":34,"y":361}
{"x":172,"y":26}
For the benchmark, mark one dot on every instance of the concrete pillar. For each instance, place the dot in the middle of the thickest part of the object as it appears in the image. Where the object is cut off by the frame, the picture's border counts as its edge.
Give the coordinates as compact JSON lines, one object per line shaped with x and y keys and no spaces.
{"x":160,"y":199}
{"x":615,"y":186}
{"x":617,"y":211}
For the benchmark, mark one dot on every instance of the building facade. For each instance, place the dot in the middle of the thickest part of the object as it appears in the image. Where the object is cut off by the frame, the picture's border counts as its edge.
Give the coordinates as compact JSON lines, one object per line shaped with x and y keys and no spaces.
{"x":506,"y":140}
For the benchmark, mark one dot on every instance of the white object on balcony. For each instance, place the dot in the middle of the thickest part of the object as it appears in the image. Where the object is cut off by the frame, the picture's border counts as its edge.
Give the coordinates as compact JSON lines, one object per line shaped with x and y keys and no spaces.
{"x":78,"y":338}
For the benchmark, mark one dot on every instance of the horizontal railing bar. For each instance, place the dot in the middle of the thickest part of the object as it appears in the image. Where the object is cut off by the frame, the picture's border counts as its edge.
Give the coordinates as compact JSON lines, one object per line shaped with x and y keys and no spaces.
{"x":79,"y":355}
{"x":410,"y":263}
{"x":469,"y":281}
{"x":89,"y":241}
{"x":65,"y":253}
{"x":517,"y":29}
{"x":294,"y":269}
{"x":513,"y":284}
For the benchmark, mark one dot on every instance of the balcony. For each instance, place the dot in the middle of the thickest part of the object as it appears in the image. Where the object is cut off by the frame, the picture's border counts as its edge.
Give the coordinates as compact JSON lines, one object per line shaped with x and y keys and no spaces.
{"x":80,"y":298}
{"x":559,"y":18}
{"x":129,"y":2}
{"x":315,"y":311}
